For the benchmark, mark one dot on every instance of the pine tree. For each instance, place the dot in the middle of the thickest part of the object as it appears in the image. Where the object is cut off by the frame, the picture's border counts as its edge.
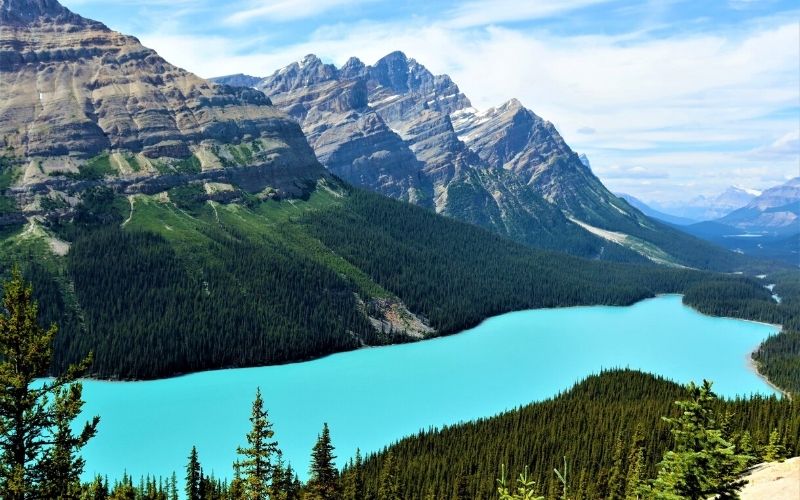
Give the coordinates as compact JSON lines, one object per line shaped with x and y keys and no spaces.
{"x":745,"y":447}
{"x":389,"y":488}
{"x":525,"y":487}
{"x":256,"y":463}
{"x":236,"y":490}
{"x":173,"y":487}
{"x":774,"y":450}
{"x":193,"y":476}
{"x":354,"y":480}
{"x":703,"y":464}
{"x":39,"y":451}
{"x":635,"y":474}
{"x":323,"y":483}
{"x":616,"y":479}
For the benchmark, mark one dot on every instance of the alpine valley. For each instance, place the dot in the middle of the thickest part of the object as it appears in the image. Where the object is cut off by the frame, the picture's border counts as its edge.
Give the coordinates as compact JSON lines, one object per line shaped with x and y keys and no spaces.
{"x":170,"y":224}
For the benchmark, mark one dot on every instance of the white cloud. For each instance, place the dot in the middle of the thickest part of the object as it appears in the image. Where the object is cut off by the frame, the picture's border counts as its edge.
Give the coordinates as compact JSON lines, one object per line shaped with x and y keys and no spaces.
{"x":485,"y":12}
{"x":630,"y":173}
{"x":786,"y":146}
{"x":285,"y":10}
{"x":701,"y":105}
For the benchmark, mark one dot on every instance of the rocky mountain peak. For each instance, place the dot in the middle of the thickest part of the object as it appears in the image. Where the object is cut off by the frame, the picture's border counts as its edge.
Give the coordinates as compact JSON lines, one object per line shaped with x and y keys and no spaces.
{"x":25,"y":12}
{"x":353,"y":68}
{"x":308,"y":71}
{"x":391,"y":71}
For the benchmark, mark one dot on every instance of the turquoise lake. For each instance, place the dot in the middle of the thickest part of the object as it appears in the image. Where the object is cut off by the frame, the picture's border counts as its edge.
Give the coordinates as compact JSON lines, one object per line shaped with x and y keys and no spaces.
{"x":372,"y":397}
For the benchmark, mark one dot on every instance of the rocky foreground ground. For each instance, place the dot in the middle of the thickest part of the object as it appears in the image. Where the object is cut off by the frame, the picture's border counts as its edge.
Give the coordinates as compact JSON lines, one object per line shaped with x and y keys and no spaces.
{"x":774,"y":481}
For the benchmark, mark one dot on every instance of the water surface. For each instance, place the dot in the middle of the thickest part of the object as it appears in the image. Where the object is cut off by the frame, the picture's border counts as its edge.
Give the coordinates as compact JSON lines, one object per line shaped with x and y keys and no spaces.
{"x":374,"y":396}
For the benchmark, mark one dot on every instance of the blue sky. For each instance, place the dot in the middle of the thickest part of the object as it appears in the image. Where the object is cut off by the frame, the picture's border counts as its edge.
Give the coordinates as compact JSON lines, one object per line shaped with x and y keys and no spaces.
{"x":669,"y":98}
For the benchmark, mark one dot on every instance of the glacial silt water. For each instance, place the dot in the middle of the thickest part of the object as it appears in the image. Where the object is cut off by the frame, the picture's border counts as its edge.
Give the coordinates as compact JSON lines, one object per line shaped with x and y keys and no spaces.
{"x":374,"y":396}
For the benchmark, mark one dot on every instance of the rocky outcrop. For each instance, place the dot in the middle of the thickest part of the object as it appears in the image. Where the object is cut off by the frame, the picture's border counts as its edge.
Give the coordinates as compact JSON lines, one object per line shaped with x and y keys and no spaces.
{"x":73,"y":88}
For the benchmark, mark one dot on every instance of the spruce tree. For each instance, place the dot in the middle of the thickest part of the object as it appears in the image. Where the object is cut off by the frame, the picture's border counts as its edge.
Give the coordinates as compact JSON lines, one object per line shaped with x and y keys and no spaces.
{"x":323,"y":483}
{"x":256,"y":462}
{"x":236,"y":490}
{"x":193,"y":476}
{"x":354,"y":480}
{"x":62,"y":466}
{"x":292,"y":483}
{"x":635,"y":473}
{"x":173,"y":487}
{"x":39,"y":451}
{"x":96,"y":490}
{"x":703,"y":464}
{"x":277,"y":486}
{"x":774,"y":450}
{"x":525,"y":489}
{"x":616,"y":479}
{"x":745,"y":447}
{"x":389,"y":488}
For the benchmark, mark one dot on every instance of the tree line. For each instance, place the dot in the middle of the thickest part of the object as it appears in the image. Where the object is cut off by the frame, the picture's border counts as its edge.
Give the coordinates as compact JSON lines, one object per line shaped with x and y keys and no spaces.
{"x":608,"y":426}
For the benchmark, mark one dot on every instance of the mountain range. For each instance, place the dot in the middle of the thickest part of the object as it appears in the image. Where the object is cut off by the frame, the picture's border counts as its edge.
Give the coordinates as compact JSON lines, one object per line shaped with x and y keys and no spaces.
{"x":170,"y":224}
{"x":396,"y":128}
{"x":652,"y":212}
{"x":705,"y":208}
{"x":768,"y":226}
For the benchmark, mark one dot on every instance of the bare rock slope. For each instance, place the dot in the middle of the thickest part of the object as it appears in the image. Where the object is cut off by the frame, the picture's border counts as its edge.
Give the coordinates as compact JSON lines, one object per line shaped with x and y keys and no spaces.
{"x":773,"y":481}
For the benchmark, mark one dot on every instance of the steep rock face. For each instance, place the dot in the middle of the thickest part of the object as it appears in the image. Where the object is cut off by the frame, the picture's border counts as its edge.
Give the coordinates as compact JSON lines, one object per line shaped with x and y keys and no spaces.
{"x":349,"y":137}
{"x":73,"y":88}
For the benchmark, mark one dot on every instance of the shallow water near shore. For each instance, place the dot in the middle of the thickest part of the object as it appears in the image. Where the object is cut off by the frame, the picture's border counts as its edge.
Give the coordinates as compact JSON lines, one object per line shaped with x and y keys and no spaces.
{"x":372,"y":397}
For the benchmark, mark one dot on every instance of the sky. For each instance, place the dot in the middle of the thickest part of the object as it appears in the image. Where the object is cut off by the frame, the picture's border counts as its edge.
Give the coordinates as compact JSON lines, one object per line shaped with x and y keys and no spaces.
{"x":669,"y":99}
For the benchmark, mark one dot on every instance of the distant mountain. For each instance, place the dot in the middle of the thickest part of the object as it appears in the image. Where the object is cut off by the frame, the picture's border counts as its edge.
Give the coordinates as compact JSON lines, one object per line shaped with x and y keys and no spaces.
{"x":703,"y":208}
{"x":237,"y":80}
{"x":768,"y":226}
{"x":652,"y":212}
{"x":396,"y":128}
{"x":775,"y":211}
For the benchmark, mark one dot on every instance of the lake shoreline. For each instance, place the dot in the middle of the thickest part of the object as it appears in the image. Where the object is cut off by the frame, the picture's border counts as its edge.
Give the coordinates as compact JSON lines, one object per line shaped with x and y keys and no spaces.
{"x":751,"y":363}
{"x":752,"y":366}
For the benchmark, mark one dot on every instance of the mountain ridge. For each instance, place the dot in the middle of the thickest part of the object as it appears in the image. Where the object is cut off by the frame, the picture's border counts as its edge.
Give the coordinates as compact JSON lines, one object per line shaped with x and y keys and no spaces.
{"x":398,"y":129}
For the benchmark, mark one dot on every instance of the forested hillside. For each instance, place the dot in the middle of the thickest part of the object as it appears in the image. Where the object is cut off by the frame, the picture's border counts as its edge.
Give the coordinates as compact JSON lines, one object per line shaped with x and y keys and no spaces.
{"x":170,"y":283}
{"x":605,"y":427}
